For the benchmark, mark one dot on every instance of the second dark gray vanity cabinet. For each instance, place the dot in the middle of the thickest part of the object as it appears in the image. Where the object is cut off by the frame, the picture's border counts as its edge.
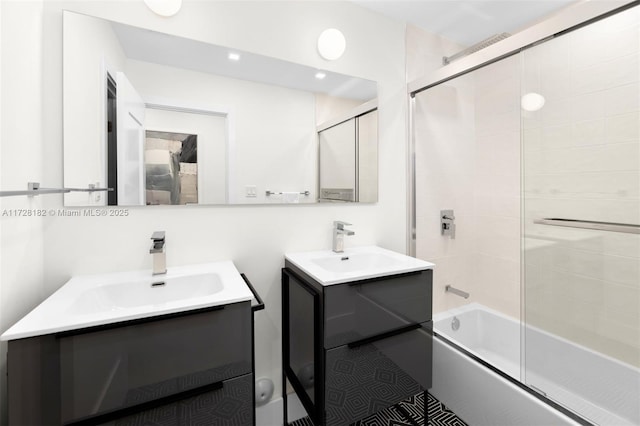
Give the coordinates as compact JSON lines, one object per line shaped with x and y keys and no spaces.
{"x":363,"y":378}
{"x":352,"y":349}
{"x":358,"y":310}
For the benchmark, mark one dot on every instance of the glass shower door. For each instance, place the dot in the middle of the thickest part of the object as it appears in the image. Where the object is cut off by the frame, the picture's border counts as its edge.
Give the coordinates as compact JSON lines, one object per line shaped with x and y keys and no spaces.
{"x":581,"y":211}
{"x":467,"y":157}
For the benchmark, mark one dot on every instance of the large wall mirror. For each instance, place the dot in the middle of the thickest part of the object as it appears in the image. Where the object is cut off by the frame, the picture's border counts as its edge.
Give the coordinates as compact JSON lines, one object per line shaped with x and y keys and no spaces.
{"x":163,"y":119}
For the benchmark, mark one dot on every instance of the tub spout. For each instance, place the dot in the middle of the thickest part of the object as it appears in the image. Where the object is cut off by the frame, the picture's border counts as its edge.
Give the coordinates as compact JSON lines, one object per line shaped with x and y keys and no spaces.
{"x":458,"y":292}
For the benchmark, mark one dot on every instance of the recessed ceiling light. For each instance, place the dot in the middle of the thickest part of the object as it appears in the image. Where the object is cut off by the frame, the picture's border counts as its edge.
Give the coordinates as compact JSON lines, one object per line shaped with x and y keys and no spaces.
{"x":320,"y":75}
{"x":234,"y":56}
{"x":164,"y":7}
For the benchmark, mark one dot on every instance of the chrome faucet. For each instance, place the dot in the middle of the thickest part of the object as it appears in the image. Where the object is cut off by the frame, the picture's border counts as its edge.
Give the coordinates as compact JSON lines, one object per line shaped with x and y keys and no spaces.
{"x":158,"y":254}
{"x":338,"y":235}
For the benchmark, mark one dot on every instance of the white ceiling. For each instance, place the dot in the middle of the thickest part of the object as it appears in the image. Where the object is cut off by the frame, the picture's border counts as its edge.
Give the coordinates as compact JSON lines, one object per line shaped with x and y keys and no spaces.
{"x":467,"y":21}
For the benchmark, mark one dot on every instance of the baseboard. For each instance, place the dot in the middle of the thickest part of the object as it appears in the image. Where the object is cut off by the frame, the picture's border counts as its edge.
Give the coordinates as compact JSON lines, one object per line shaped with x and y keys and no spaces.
{"x":270,"y":414}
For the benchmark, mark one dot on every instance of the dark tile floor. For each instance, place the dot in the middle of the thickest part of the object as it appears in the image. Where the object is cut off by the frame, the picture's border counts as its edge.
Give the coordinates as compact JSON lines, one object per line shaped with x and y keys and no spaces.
{"x":406,"y":413}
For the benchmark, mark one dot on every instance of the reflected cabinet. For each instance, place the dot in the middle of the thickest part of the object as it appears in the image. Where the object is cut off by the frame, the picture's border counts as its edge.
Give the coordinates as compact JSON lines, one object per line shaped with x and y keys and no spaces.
{"x":352,"y":349}
{"x":349,"y":160}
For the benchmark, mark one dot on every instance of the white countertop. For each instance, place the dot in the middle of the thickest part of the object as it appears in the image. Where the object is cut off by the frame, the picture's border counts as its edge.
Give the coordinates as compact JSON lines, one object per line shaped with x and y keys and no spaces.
{"x":92,"y":300}
{"x":357,"y":263}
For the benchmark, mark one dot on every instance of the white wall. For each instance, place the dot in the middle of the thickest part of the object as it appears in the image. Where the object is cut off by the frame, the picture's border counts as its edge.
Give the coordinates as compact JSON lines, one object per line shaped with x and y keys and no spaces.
{"x":255,"y":237}
{"x":2,"y":348}
{"x":21,"y":154}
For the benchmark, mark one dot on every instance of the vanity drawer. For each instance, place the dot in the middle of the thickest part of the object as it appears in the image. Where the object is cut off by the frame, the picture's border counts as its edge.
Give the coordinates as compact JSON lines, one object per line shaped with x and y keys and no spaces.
{"x":231,"y":405}
{"x":111,"y":369}
{"x":362,"y":309}
{"x":364,"y":378}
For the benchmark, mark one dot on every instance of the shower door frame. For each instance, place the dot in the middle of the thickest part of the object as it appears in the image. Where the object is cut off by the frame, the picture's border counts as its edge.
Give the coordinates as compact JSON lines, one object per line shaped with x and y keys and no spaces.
{"x":567,"y":20}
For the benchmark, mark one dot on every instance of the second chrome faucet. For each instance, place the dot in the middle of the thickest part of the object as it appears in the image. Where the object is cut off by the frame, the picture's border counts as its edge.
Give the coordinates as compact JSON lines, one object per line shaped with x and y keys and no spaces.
{"x":158,"y":253}
{"x":338,"y":235}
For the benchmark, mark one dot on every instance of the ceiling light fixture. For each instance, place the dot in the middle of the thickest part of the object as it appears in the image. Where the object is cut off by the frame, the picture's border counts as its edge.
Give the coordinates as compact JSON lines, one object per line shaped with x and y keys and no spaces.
{"x":164,"y":7}
{"x":234,"y":56}
{"x":320,"y":75}
{"x":331,"y":44}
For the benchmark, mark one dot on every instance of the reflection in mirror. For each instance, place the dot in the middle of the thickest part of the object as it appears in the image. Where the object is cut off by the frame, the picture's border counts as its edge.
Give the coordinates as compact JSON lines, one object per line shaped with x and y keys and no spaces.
{"x":254,"y":118}
{"x":349,"y":158}
{"x":171,"y":168}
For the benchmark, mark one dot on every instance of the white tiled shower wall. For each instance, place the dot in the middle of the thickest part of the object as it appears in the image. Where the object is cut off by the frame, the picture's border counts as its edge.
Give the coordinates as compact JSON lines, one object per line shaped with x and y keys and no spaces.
{"x":468,"y":159}
{"x":581,"y":158}
{"x":582,"y":161}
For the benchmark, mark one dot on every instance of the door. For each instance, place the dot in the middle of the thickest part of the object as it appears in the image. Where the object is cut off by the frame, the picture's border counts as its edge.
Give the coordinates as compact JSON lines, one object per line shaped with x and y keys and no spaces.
{"x":130,"y":118}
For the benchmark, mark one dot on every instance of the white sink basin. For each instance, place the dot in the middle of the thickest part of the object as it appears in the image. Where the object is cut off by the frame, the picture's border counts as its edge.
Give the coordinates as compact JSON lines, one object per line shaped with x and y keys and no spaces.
{"x":146,"y":291}
{"x":91,"y":300}
{"x":354,"y":264}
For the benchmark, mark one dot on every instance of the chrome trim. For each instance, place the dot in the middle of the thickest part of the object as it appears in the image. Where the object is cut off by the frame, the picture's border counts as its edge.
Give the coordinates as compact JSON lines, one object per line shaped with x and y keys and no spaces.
{"x":363,"y":109}
{"x":626,"y":228}
{"x":34,"y":189}
{"x":411,"y":181}
{"x":268,"y":193}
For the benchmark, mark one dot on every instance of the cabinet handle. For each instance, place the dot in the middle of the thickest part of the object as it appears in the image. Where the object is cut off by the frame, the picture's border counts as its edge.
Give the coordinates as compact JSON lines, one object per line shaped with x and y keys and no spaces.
{"x":145,"y":406}
{"x":384,"y":335}
{"x":376,"y":279}
{"x":260,"y":305}
{"x":133,"y":322}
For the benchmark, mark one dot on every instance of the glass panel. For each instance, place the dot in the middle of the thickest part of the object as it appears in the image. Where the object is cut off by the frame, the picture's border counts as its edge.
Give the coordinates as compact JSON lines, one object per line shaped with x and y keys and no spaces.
{"x":301,"y":318}
{"x":581,"y":161}
{"x":467,"y":159}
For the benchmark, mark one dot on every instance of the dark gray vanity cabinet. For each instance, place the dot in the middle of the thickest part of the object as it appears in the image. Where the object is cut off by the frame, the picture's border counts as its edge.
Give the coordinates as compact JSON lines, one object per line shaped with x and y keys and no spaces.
{"x":352,"y":349}
{"x":192,"y":367}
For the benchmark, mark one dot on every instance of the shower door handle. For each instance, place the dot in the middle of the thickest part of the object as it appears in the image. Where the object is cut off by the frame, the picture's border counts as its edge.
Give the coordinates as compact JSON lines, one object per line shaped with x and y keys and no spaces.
{"x":627,"y":228}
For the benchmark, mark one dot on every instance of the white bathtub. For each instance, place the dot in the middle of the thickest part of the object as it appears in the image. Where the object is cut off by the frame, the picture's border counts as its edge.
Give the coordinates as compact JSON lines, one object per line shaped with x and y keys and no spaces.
{"x":595,"y":386}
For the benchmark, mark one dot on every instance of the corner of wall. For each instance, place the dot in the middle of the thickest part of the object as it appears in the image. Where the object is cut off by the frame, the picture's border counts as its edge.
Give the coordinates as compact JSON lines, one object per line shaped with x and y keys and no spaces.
{"x":21,"y":232}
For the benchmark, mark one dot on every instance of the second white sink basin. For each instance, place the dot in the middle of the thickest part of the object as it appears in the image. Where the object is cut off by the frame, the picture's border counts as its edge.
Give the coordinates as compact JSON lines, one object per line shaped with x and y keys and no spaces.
{"x":91,"y":300}
{"x":354,"y":264}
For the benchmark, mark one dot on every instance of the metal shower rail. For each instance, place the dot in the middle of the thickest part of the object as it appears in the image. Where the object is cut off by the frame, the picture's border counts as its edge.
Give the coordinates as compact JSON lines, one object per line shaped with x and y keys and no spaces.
{"x":589,"y":224}
{"x":33,"y":188}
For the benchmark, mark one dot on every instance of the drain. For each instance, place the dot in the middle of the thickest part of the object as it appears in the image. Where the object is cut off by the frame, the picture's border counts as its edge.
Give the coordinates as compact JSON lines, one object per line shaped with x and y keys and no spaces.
{"x":455,"y":324}
{"x":158,"y":284}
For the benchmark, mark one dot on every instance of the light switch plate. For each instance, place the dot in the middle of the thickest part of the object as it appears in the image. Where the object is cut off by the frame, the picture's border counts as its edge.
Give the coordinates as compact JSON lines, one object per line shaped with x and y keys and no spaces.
{"x":250,"y":191}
